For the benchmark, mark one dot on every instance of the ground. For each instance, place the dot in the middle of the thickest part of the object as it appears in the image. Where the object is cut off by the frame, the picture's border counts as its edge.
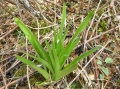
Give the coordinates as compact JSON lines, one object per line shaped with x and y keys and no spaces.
{"x":101,"y":70}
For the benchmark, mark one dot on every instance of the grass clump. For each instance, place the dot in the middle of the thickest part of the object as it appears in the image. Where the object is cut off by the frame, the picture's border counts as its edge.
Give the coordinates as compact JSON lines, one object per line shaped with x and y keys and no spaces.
{"x":53,"y":60}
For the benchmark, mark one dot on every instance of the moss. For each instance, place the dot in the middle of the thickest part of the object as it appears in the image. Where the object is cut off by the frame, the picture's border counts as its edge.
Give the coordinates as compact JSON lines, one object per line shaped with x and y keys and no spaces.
{"x":100,"y":12}
{"x":21,"y":71}
{"x":36,"y":78}
{"x":33,"y":23}
{"x":33,"y":79}
{"x":41,"y":24}
{"x":102,"y":26}
{"x":118,"y":81}
{"x":68,"y":4}
{"x":76,"y":85}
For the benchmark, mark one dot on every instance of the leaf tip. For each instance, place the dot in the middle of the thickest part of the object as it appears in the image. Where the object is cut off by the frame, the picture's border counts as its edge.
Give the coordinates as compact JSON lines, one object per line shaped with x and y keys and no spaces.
{"x":15,"y":19}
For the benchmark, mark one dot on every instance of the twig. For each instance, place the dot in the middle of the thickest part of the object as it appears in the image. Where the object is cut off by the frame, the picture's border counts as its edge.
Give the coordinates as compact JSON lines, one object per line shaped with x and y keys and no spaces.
{"x":17,"y":3}
{"x":28,"y":80}
{"x":8,"y":32}
{"x":3,"y":78}
{"x":4,"y":7}
{"x":96,"y":72}
{"x":53,"y":3}
{"x":103,"y":6}
{"x":102,"y":34}
{"x":98,"y":21}
{"x":42,"y":27}
{"x":99,"y":35}
{"x":15,"y":81}
{"x":10,"y":1}
{"x":44,"y":18}
{"x":30,"y":8}
{"x":91,"y":25}
{"x":88,"y":63}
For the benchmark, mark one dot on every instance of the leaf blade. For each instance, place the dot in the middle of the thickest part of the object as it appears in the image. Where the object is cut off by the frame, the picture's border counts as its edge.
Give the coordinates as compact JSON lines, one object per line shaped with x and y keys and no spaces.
{"x":62,"y":21}
{"x":31,"y":64}
{"x":65,"y":71}
{"x":33,"y":40}
{"x":85,"y":54}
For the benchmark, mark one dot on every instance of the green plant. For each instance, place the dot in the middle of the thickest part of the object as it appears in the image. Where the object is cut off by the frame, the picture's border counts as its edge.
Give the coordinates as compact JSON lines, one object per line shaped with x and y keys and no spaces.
{"x":109,"y":60}
{"x":105,"y":70}
{"x":53,"y":60}
{"x":102,"y":26}
{"x":76,"y":85}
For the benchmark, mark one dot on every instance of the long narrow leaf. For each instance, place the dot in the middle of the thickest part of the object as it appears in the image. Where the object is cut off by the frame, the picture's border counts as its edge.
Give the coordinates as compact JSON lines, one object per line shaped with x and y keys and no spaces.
{"x":33,"y":40}
{"x":79,"y":30}
{"x":85,"y":54}
{"x":42,"y":61}
{"x":50,"y":54}
{"x":57,"y":63}
{"x":62,"y":21}
{"x":65,"y":72}
{"x":60,"y":47}
{"x":55,"y":38}
{"x":82,"y":25}
{"x":68,"y":51}
{"x":66,"y":31}
{"x":31,"y":64}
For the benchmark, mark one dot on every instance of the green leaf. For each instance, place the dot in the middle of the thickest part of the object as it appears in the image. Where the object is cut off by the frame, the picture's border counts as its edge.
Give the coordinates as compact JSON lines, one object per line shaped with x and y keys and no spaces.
{"x":62,"y":21}
{"x":68,"y":51}
{"x":105,"y":70}
{"x":99,"y":62}
{"x":65,"y":71}
{"x":59,"y":48}
{"x":42,"y":61}
{"x":118,"y":81}
{"x":33,"y":40}
{"x":60,"y":41}
{"x":78,"y":31}
{"x":42,"y":84}
{"x":109,"y":60}
{"x":84,"y":55}
{"x":101,"y":76}
{"x":66,"y":31}
{"x":82,"y":26}
{"x":56,"y":59}
{"x":34,"y":66}
{"x":55,"y":38}
{"x":57,"y":54}
{"x":52,"y":62}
